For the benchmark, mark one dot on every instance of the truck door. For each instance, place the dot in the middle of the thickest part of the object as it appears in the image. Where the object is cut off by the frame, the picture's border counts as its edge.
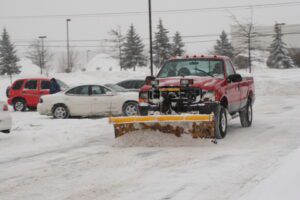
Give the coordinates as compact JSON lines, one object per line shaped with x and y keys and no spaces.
{"x":232,"y":90}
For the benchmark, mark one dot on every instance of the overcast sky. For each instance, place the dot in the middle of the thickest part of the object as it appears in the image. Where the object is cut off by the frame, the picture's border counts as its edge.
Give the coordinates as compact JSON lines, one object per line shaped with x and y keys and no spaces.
{"x":97,"y":27}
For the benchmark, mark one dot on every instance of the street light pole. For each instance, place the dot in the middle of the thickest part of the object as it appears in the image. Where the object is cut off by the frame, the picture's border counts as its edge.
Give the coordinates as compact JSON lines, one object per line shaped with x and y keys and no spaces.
{"x":150,"y":37}
{"x":42,"y":55}
{"x":68,"y":46}
{"x":87,"y":56}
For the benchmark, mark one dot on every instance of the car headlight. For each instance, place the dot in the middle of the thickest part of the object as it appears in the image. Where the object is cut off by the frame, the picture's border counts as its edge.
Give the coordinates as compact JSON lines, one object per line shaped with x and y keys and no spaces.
{"x":208,"y":95}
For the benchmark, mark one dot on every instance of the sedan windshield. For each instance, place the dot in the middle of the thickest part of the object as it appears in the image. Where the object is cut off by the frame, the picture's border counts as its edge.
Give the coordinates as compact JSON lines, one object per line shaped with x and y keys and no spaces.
{"x":192,"y":67}
{"x":116,"y":88}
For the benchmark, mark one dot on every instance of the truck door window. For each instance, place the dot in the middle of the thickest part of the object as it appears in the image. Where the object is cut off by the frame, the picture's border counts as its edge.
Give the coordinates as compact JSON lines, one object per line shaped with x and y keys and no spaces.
{"x":31,"y":85}
{"x":229,"y":68}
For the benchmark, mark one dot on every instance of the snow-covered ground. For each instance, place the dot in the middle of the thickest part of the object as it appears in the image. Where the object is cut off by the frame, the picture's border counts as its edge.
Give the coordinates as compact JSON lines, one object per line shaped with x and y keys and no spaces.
{"x":72,"y":159}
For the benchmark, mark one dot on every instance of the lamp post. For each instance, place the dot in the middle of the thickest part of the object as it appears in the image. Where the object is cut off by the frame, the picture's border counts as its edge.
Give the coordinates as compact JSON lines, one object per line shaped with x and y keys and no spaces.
{"x":279,"y":25}
{"x":150,"y":36}
{"x":68,"y":46}
{"x":42,"y":55}
{"x":87,"y":56}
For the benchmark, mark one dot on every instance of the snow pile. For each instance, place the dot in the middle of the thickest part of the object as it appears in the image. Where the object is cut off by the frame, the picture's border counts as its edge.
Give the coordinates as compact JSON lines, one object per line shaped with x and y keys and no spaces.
{"x":158,"y":139}
{"x":103,"y":62}
{"x":28,"y":68}
{"x":282,"y":184}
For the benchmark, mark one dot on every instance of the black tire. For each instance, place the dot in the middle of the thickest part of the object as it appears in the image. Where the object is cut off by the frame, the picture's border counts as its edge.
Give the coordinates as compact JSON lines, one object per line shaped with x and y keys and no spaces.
{"x":143,"y":111}
{"x":220,"y":122}
{"x":6,"y":131}
{"x":19,"y":105}
{"x":246,"y":115}
{"x":7,"y":92}
{"x":131,"y":109}
{"x":60,"y":112}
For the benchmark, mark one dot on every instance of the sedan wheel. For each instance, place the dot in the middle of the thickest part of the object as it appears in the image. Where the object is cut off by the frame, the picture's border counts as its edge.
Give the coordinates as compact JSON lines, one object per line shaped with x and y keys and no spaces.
{"x":60,"y":112}
{"x":130,"y":109}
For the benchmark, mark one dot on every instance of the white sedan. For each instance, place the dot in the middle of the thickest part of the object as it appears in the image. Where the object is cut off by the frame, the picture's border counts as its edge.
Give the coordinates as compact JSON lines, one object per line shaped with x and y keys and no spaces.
{"x":89,"y":100}
{"x":5,"y":118}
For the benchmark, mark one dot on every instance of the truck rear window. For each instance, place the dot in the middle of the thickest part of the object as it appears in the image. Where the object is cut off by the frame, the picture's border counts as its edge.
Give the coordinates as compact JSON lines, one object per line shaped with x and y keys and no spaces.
{"x":18,"y":85}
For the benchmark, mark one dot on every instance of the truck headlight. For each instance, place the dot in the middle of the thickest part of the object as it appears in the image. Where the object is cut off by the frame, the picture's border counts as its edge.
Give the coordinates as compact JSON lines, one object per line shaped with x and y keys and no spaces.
{"x":144,"y":95}
{"x":208,"y":96}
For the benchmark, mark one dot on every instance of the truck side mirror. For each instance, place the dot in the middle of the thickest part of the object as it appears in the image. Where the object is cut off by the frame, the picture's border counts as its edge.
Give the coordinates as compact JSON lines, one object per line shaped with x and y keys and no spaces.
{"x":234,"y":78}
{"x":149,"y":79}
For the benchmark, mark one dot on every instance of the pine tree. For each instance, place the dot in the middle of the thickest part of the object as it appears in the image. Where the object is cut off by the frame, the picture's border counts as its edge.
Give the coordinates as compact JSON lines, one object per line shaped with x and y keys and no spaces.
{"x":279,"y":56}
{"x":177,"y":46}
{"x":161,"y":46}
{"x":223,"y":46}
{"x":8,"y":57}
{"x":133,"y":52}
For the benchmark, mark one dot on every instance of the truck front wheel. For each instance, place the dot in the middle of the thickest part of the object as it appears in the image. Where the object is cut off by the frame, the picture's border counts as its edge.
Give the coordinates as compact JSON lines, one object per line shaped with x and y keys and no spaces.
{"x":246,"y":115}
{"x":220,"y":122}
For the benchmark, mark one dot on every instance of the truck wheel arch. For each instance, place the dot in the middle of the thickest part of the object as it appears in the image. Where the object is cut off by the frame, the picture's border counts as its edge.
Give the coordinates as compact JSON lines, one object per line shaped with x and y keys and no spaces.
{"x":224,"y":102}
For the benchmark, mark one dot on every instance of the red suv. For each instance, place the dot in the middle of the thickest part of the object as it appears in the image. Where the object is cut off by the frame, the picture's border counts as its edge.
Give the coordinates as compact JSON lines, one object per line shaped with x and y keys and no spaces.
{"x":25,"y":93}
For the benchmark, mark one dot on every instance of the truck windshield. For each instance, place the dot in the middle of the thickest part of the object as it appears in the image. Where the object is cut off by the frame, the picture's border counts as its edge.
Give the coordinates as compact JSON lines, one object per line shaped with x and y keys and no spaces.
{"x":192,"y":67}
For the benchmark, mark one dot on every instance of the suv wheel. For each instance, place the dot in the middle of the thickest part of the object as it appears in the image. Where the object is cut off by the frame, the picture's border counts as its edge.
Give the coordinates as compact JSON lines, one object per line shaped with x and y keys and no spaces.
{"x":60,"y":112}
{"x":19,"y":105}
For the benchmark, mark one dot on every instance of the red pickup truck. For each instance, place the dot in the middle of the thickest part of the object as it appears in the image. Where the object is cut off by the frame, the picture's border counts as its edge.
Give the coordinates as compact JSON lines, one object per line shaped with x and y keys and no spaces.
{"x":200,"y":85}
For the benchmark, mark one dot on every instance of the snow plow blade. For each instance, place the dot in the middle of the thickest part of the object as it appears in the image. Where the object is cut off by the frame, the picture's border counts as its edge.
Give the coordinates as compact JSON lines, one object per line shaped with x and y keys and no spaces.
{"x":198,"y":126}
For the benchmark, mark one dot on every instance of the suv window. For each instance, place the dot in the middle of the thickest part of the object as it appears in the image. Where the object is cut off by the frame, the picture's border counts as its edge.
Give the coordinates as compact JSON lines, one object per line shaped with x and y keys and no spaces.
{"x":18,"y":85}
{"x":81,"y":90}
{"x":45,"y":85}
{"x":31,"y":85}
{"x":229,"y":68}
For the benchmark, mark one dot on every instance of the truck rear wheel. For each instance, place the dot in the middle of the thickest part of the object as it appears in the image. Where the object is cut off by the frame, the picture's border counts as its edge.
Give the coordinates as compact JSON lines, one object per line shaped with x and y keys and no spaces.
{"x":246,"y":115}
{"x":220,"y":122}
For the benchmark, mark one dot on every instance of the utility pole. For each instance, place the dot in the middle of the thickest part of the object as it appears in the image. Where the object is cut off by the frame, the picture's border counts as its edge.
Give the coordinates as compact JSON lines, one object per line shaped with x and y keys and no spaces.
{"x":150,"y":37}
{"x":43,"y":53}
{"x":68,"y":46}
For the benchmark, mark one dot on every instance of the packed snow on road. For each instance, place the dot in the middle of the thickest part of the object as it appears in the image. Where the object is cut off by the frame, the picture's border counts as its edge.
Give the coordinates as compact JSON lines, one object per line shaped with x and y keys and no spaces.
{"x":79,"y":158}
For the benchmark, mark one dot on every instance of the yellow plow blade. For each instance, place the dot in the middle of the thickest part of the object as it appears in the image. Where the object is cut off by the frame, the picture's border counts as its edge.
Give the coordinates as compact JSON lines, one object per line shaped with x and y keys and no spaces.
{"x":199,"y":126}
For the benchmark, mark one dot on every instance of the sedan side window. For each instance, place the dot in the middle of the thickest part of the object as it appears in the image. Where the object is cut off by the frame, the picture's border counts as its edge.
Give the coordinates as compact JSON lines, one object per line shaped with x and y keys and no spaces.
{"x":31,"y":85}
{"x":99,"y":90}
{"x":79,"y":91}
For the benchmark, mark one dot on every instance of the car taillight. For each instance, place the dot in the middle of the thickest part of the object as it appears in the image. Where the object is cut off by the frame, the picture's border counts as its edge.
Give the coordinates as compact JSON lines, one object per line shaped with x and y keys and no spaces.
{"x":5,"y":107}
